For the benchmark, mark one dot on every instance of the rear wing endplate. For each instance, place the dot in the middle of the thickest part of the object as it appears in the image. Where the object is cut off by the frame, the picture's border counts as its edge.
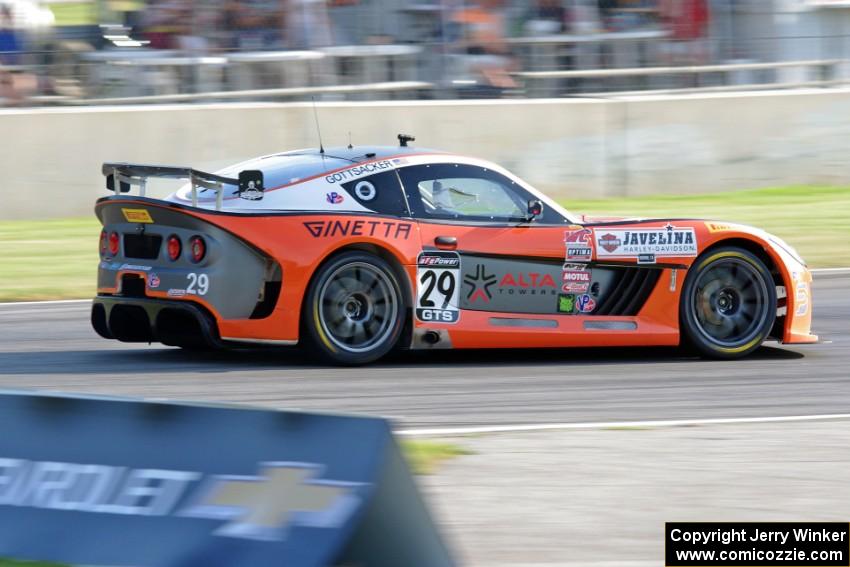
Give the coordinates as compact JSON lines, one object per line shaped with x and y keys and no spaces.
{"x":249,"y":183}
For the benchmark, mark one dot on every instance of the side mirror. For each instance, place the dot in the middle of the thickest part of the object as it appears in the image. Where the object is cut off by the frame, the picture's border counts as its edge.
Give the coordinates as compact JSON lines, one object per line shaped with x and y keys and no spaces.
{"x":535,"y":209}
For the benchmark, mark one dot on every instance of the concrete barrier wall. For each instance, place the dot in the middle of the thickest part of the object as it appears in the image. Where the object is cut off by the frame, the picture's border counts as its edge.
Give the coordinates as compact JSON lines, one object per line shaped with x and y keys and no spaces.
{"x":50,"y":159}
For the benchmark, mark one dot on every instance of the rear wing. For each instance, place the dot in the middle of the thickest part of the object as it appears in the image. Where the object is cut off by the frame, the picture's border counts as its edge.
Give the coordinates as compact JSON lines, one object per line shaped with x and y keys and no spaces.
{"x":120,"y":177}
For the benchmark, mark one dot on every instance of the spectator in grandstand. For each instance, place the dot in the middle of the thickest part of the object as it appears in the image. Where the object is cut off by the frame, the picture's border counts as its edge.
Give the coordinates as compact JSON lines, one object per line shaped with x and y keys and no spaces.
{"x":586,"y":15}
{"x":164,"y":21}
{"x":687,"y":22}
{"x":10,"y":41}
{"x":481,"y":30}
{"x":255,"y":24}
{"x":545,"y":17}
{"x":10,"y":51}
{"x":308,"y":25}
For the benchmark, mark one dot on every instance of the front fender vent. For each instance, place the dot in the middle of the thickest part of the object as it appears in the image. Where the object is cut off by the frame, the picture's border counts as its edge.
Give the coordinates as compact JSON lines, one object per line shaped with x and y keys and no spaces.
{"x":630,"y":291}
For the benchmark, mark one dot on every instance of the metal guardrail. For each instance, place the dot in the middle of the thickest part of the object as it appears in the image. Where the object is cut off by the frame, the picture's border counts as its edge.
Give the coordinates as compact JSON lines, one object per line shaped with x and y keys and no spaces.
{"x":690,"y":69}
{"x":717,"y":89}
{"x":392,"y":86}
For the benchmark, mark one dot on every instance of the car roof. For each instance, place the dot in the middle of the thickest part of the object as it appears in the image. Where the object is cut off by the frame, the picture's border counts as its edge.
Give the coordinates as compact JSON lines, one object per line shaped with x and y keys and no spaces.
{"x":288,"y":167}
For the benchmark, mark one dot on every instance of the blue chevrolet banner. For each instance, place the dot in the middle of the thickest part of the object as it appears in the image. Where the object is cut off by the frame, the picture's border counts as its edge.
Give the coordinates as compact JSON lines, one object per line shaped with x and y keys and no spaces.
{"x":96,"y":481}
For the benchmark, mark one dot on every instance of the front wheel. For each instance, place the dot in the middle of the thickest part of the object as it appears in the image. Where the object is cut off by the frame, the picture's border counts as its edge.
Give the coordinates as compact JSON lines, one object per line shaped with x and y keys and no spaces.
{"x":728,"y":304}
{"x":354,"y":313}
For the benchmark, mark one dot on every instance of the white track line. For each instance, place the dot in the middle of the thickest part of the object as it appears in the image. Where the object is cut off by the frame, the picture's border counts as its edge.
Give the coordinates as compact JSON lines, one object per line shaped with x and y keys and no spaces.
{"x":51,"y":302}
{"x":441,"y":431}
{"x":823,"y":271}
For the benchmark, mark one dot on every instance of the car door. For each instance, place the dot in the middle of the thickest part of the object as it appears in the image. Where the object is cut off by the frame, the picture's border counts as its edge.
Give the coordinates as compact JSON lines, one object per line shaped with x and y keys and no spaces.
{"x":481,"y":252}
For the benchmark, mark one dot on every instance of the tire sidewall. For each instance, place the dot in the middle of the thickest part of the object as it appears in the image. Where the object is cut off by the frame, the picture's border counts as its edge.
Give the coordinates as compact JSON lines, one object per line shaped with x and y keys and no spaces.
{"x":316,"y":339}
{"x":689,"y":325}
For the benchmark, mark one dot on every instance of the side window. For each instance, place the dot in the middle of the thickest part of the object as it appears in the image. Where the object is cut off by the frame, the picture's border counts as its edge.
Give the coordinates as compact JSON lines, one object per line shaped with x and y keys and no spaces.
{"x":380,"y":193}
{"x":464,"y":192}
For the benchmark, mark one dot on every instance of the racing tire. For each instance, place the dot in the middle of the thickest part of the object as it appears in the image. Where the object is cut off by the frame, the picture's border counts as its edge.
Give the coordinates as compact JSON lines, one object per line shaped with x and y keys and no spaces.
{"x":354,"y":311}
{"x":728,"y":303}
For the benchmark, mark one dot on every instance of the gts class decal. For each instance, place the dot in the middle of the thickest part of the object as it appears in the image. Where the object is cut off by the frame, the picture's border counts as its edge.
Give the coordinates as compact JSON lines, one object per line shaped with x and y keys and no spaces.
{"x":437,"y":289}
{"x":378,"y":229}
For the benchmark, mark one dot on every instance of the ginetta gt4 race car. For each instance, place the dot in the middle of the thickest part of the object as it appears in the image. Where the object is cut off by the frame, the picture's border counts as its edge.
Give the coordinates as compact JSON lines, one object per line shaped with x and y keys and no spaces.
{"x":353,"y":252}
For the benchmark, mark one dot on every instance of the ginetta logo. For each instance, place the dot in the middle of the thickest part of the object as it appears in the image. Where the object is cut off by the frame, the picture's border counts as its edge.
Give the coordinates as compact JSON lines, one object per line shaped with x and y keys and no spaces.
{"x":260,"y":507}
{"x":371,"y":228}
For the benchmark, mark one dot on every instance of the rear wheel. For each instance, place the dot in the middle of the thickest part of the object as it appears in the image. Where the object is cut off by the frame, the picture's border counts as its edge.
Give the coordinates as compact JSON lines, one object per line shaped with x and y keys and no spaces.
{"x":354,"y":313}
{"x":728,"y":304}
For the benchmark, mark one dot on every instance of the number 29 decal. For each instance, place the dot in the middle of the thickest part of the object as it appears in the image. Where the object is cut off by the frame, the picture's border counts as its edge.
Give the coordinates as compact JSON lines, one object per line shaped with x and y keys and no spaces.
{"x":197,"y":284}
{"x":437,"y":289}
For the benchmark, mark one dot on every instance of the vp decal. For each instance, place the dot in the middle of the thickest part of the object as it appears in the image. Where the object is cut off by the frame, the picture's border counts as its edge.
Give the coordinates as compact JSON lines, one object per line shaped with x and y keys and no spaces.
{"x":334,"y":198}
{"x":437,"y":287}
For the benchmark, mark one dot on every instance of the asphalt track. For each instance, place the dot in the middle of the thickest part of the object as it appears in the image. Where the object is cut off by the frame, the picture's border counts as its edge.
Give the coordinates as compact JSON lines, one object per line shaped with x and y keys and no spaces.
{"x":52,"y":347}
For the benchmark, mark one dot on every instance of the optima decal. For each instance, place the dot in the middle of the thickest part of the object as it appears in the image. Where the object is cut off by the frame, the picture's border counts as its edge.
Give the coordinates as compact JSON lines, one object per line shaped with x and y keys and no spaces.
{"x":646,"y":242}
{"x":377,"y":229}
{"x":579,"y":245}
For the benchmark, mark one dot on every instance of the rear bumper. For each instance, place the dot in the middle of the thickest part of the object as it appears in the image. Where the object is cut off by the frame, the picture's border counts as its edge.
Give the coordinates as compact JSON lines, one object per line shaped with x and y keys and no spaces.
{"x":144,"y":320}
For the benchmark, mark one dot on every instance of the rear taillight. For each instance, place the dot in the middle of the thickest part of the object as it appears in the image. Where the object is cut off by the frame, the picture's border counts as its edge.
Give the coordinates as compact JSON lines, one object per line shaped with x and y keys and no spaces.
{"x":103,"y":239}
{"x":198,"y":248}
{"x":114,"y":243}
{"x":174,"y":247}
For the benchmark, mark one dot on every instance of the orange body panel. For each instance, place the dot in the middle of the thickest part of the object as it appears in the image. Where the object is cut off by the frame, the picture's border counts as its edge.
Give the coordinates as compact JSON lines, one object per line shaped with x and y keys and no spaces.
{"x":301,"y":242}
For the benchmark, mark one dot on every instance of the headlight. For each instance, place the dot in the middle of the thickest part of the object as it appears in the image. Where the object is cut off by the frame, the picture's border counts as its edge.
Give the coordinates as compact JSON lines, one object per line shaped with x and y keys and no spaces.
{"x":788,"y":248}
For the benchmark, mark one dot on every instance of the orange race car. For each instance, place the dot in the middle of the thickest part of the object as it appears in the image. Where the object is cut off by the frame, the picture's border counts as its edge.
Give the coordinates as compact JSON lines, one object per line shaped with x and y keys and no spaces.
{"x":353,"y":252}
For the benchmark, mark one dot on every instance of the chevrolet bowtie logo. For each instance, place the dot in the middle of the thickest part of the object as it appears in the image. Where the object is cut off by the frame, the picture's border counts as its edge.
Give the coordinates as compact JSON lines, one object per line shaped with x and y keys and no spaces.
{"x":282,"y":495}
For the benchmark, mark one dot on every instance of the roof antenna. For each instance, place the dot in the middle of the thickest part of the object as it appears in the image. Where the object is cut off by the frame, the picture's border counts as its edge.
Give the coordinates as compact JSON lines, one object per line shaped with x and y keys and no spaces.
{"x":350,"y":147}
{"x":318,"y":129}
